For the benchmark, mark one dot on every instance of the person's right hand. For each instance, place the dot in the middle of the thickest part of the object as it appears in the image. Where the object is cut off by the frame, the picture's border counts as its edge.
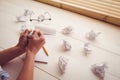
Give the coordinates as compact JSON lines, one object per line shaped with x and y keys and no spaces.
{"x":36,"y":41}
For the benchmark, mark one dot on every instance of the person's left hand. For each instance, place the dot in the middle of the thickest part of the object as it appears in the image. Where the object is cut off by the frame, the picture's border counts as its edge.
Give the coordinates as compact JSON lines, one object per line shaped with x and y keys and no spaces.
{"x":22,"y":44}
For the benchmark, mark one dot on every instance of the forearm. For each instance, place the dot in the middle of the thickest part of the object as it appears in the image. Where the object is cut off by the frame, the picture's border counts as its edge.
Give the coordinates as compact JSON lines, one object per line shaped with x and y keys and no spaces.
{"x":9,"y":54}
{"x":28,"y":68}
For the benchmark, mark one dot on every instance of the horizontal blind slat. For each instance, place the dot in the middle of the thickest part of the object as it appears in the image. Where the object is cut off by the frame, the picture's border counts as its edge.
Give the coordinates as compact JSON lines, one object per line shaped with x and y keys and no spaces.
{"x":105,"y":10}
{"x":106,"y":4}
{"x":94,"y":6}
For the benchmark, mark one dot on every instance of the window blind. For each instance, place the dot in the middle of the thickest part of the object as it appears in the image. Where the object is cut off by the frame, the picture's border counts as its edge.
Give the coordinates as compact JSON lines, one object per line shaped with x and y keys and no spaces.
{"x":105,"y":10}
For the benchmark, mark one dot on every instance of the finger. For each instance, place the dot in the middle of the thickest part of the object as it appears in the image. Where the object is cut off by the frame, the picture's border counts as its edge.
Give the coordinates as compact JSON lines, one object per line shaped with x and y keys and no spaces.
{"x":29,"y":31}
{"x":36,"y":36}
{"x":22,"y":33}
{"x":26,"y":32}
{"x":34,"y":32}
{"x":42,"y":38}
{"x":39,"y":33}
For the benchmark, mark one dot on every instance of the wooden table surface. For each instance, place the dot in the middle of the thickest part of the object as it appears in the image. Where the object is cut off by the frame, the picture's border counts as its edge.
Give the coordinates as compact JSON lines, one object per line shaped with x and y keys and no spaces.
{"x":106,"y":48}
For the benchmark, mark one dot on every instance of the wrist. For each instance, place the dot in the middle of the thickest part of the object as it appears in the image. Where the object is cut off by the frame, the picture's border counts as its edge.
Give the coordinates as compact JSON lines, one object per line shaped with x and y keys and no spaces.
{"x":30,"y":54}
{"x":32,"y":50}
{"x":20,"y":48}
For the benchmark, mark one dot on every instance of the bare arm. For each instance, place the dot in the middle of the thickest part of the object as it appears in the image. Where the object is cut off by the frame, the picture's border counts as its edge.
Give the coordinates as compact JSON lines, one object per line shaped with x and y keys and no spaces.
{"x":35,"y":43}
{"x":28,"y":68}
{"x":9,"y":54}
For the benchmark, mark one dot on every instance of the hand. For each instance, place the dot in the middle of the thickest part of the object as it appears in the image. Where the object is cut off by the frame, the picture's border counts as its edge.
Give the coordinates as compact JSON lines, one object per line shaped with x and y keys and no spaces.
{"x":22,"y":44}
{"x":36,"y":41}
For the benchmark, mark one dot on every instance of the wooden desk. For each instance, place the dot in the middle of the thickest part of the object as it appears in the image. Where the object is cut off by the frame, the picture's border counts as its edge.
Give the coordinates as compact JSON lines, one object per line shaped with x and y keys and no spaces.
{"x":105,"y":49}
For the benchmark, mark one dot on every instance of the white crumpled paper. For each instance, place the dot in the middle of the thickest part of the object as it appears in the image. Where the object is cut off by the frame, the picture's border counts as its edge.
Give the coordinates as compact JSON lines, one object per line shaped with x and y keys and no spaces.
{"x":63,"y":61}
{"x":27,"y":12}
{"x":67,"y":30}
{"x":21,"y":18}
{"x":87,"y":48}
{"x":67,"y":45}
{"x":99,"y":70}
{"x":92,"y":35}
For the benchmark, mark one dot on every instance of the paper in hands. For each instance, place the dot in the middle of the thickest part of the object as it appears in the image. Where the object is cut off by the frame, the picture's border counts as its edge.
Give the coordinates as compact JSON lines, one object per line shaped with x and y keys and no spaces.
{"x":42,"y":55}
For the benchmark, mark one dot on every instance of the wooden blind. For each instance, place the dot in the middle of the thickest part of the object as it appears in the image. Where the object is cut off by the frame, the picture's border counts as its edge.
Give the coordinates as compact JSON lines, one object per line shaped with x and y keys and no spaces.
{"x":105,"y":10}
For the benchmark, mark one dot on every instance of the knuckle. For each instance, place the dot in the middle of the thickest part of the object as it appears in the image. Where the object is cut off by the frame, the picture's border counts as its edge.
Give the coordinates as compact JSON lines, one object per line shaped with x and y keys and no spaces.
{"x":23,"y":35}
{"x":27,"y":30}
{"x":42,"y":39}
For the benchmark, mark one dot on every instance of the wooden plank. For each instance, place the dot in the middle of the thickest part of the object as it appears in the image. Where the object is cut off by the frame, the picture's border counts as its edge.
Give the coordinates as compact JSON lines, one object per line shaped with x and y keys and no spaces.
{"x":84,"y":9}
{"x":95,"y":6}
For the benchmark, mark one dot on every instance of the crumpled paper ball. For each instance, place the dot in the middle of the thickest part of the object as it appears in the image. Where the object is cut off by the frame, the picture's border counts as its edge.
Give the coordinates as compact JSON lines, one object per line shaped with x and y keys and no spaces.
{"x":67,"y":45}
{"x":67,"y":30}
{"x":87,"y":48}
{"x":92,"y":35}
{"x":99,"y":70}
{"x":62,"y":63}
{"x":28,"y":12}
{"x":21,"y":18}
